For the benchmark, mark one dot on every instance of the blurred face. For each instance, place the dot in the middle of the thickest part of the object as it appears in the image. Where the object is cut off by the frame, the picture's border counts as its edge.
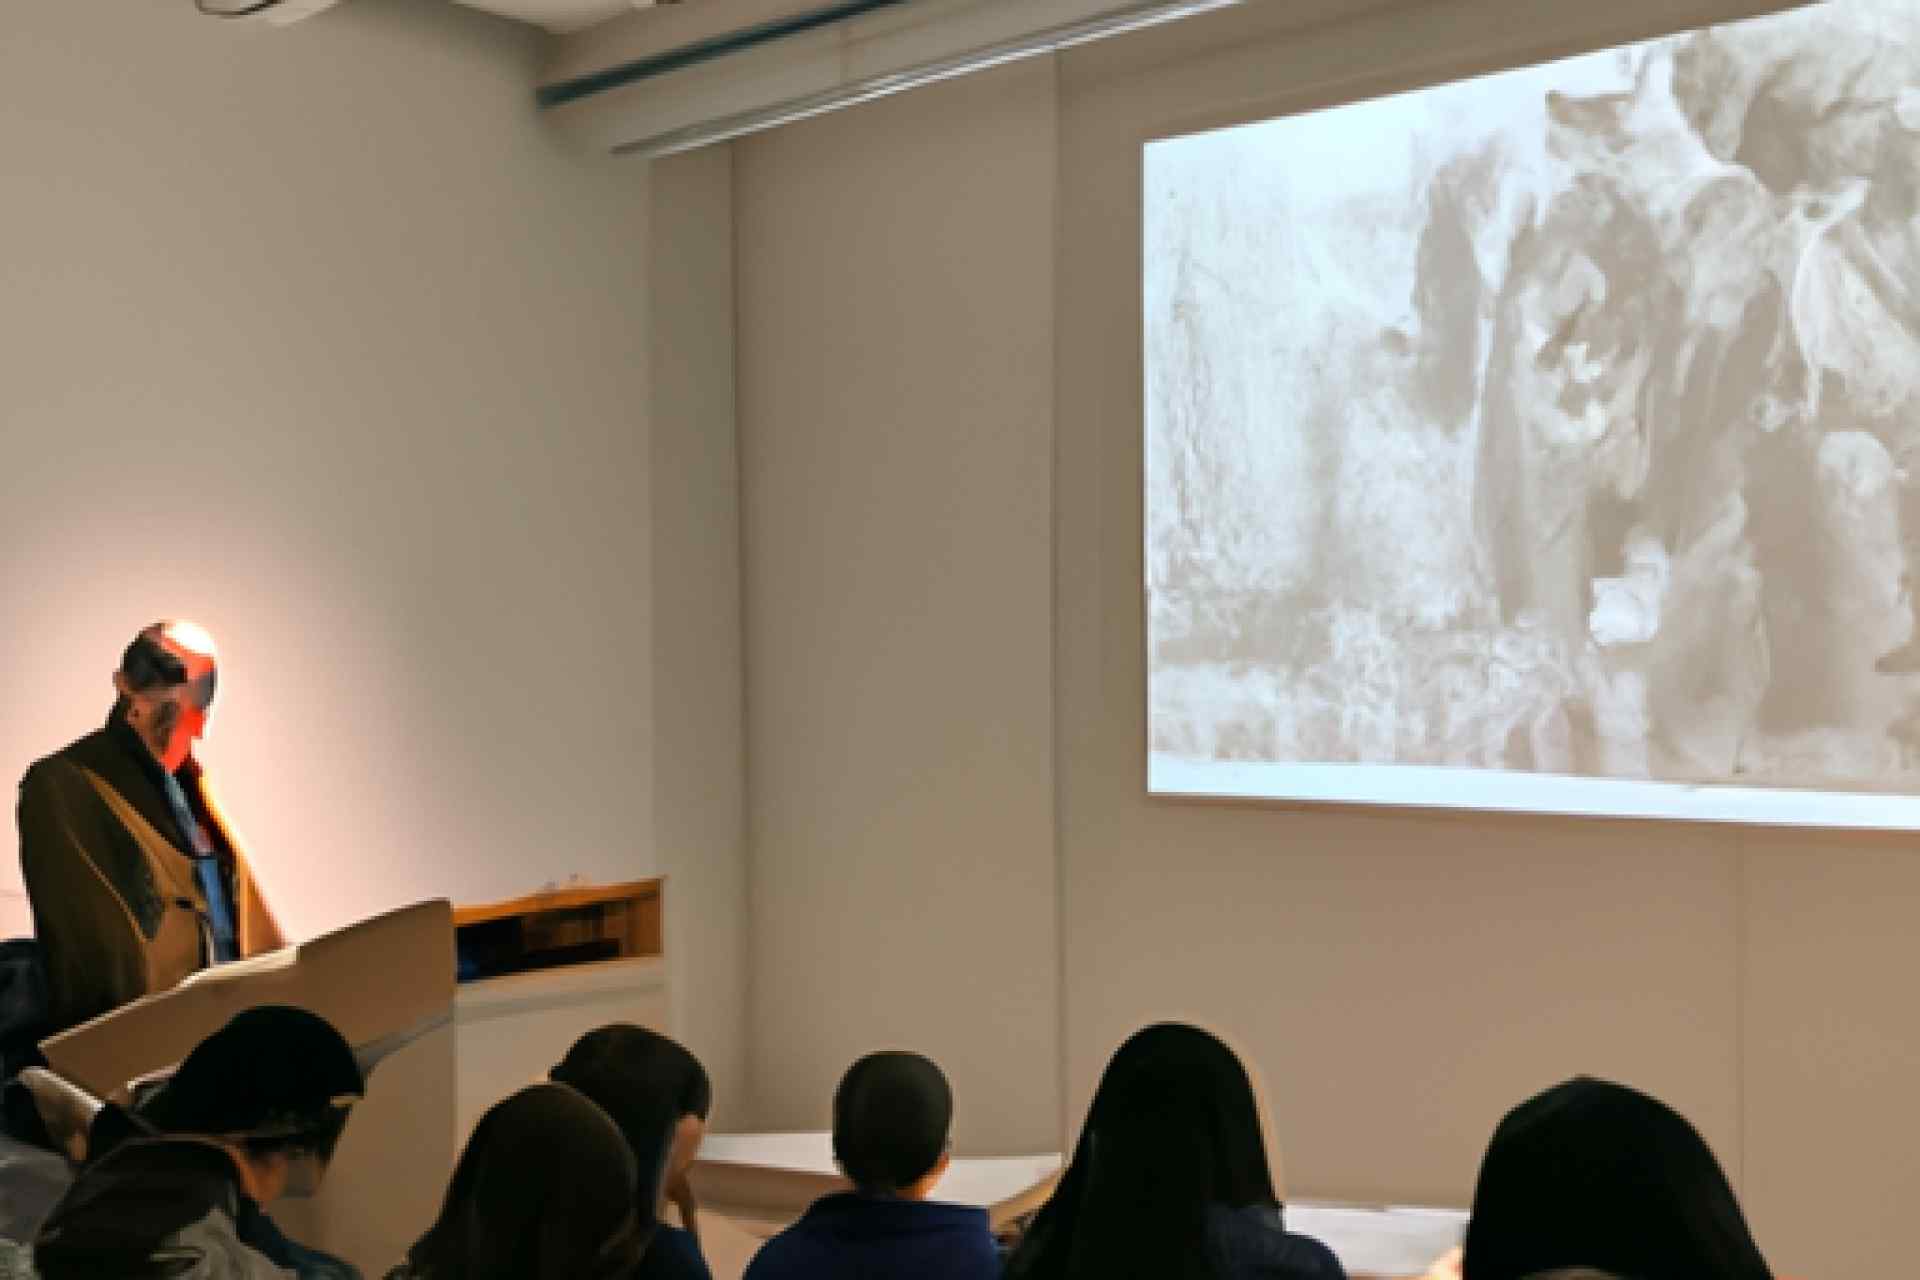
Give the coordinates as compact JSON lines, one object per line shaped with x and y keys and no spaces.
{"x":263,"y":1177}
{"x":173,"y":718}
{"x":279,"y":1175}
{"x":169,"y":724}
{"x":305,"y":1172}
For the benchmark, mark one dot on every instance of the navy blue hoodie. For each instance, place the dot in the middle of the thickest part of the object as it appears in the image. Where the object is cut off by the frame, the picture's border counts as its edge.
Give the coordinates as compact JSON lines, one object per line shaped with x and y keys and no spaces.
{"x":854,"y":1237}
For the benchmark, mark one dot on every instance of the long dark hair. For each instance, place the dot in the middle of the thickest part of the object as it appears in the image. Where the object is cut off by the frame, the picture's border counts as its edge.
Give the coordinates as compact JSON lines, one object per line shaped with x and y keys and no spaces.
{"x":547,"y":1189}
{"x":1594,"y":1174}
{"x":1173,"y":1129}
{"x":647,"y":1083}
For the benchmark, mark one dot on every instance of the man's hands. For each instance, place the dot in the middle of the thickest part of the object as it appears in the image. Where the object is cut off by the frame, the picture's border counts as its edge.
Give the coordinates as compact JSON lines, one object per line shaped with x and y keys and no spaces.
{"x":65,"y":1109}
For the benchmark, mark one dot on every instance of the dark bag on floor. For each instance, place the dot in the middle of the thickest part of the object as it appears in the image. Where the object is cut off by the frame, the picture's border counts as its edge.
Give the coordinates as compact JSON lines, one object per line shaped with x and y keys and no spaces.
{"x":24,"y":1013}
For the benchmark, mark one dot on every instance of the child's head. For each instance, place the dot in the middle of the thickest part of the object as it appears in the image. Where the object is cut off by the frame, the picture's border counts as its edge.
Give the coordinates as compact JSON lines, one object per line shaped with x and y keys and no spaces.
{"x":642,"y":1079}
{"x":891,"y":1117}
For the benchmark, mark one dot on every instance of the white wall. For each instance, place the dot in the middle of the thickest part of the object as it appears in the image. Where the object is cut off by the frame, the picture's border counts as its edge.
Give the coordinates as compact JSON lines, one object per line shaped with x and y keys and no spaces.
{"x":895,"y":389}
{"x":699,"y":754}
{"x":313,"y":335}
{"x":1401,"y":978}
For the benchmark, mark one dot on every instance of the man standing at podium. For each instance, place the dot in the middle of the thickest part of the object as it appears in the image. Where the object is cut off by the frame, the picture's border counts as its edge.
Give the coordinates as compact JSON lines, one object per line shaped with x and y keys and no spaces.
{"x":135,"y":879}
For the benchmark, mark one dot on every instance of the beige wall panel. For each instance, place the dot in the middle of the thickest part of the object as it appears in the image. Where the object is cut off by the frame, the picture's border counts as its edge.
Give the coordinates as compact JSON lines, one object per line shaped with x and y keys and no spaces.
{"x":1830,"y":1038}
{"x":1402,"y":981}
{"x":699,"y":752}
{"x":896,"y":360}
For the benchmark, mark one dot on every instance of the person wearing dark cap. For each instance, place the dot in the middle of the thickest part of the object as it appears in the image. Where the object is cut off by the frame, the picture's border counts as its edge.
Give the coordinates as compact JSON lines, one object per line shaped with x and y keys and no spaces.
{"x":547,"y":1189}
{"x":1592,"y":1174}
{"x":892,"y":1117}
{"x":177,"y":1186}
{"x":135,"y":878}
{"x":643,"y":1079}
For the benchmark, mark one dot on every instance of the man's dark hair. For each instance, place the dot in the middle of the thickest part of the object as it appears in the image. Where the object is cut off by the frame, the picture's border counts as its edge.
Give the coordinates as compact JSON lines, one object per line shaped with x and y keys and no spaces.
{"x":147,"y":665}
{"x":891,"y":1116}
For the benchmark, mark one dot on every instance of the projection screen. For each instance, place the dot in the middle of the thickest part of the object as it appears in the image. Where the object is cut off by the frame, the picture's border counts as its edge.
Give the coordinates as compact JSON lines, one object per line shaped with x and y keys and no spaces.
{"x":1548,"y":441}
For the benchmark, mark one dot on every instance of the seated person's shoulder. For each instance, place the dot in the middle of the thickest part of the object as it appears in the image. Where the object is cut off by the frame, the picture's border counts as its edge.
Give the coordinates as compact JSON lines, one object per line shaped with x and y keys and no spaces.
{"x":786,"y":1253}
{"x":229,"y":1258}
{"x":1253,"y":1244}
{"x":672,"y":1254}
{"x":804,"y":1249}
{"x":925,"y":1239}
{"x":966,"y":1236}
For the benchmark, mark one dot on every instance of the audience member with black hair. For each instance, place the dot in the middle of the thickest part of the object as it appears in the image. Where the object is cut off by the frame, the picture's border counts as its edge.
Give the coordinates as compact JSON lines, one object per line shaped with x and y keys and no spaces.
{"x":547,"y":1189}
{"x":640,"y":1078}
{"x":180,"y":1190}
{"x":1591,"y":1174}
{"x":892,"y":1117}
{"x":1170,"y":1179}
{"x":135,"y":879}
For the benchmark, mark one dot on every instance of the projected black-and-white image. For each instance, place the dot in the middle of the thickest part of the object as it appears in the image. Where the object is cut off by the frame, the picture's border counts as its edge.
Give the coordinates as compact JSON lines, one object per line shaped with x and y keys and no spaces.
{"x":1548,"y":440}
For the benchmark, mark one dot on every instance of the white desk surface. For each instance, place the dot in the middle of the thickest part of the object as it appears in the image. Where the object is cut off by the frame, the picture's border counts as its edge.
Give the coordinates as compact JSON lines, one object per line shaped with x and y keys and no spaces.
{"x":1369,"y":1240}
{"x":975,"y":1180}
{"x":1374,"y":1240}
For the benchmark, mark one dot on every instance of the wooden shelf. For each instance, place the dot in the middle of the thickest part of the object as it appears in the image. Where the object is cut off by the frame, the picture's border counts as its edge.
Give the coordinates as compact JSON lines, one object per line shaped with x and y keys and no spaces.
{"x":564,"y":927}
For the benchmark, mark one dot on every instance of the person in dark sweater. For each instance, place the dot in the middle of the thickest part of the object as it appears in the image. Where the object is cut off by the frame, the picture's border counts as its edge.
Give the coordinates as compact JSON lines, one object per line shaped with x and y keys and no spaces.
{"x":645,"y":1080}
{"x":892,"y":1116}
{"x":1170,"y":1179}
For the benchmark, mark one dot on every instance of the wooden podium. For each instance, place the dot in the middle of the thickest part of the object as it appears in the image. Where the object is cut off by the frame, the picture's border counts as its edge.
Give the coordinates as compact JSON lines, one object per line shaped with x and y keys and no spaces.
{"x":558,"y":929}
{"x":387,"y":983}
{"x":538,"y":972}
